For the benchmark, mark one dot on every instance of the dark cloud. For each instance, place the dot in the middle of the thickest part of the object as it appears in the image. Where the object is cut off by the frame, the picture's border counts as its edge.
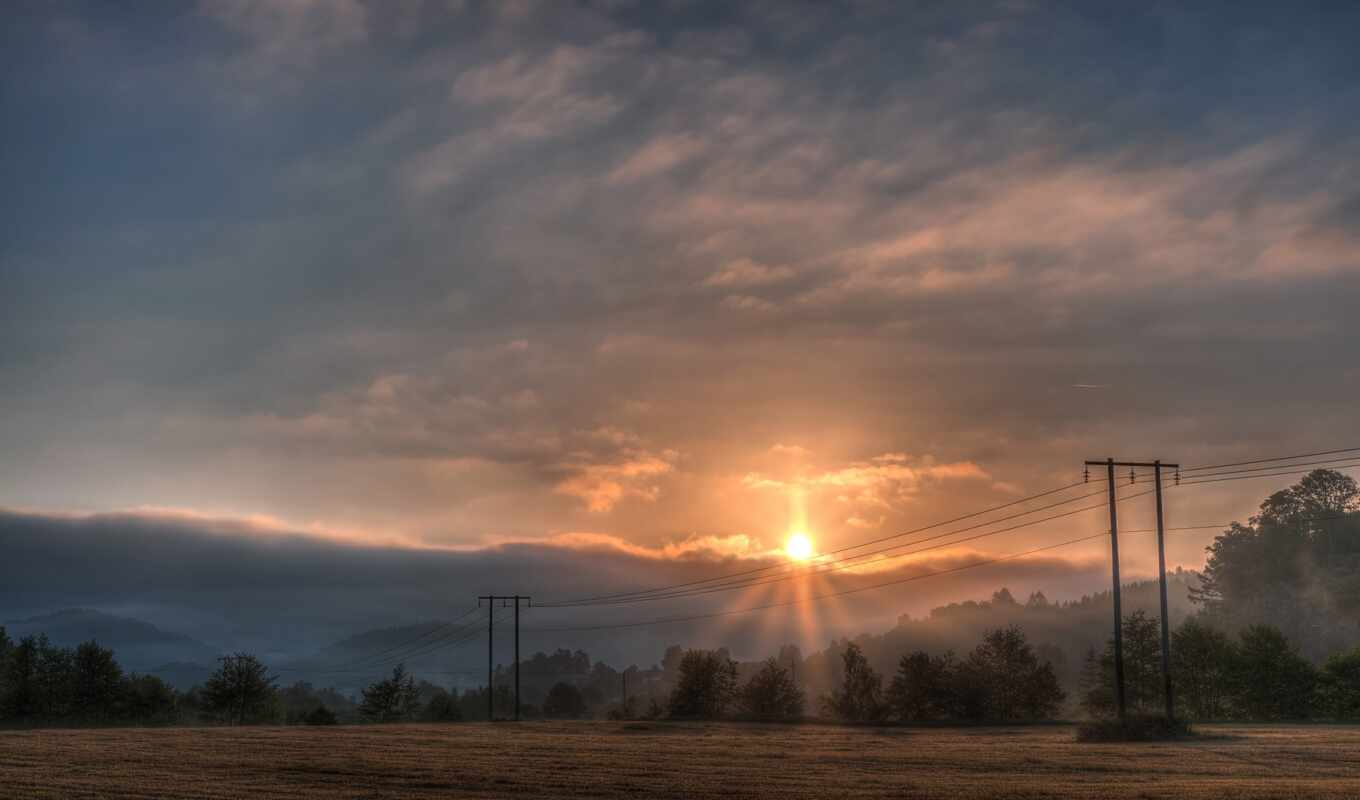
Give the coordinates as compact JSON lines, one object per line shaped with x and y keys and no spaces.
{"x":235,"y":583}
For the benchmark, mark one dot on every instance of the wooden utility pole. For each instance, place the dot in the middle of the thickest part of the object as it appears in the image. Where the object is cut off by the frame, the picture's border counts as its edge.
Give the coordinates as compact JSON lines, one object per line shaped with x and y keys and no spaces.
{"x":505,"y":600}
{"x":1156,"y":466}
{"x":1161,"y":576}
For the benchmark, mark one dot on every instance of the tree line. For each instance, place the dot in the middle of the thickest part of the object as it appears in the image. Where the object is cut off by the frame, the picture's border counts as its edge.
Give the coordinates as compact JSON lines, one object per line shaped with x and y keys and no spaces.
{"x":1001,"y":680}
{"x":1257,"y":675}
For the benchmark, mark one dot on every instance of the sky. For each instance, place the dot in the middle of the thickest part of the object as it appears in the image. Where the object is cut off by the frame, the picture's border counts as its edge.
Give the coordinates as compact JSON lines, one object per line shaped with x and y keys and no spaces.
{"x":662,"y":282}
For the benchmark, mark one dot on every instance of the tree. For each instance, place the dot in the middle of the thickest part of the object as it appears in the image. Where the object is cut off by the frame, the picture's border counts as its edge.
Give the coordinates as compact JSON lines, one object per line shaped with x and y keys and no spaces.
{"x":1097,"y":686}
{"x":1271,"y":681}
{"x":1339,"y":693}
{"x":20,"y":680}
{"x":148,"y":699}
{"x":1002,"y":679}
{"x":1202,"y":664}
{"x":98,"y":682}
{"x":771,"y":694}
{"x":393,"y":699}
{"x":564,"y":701}
{"x":706,"y":684}
{"x":1142,"y":663}
{"x":922,"y":687}
{"x":860,"y":696}
{"x":241,"y":690}
{"x":443,"y":707}
{"x":1295,"y":566}
{"x":54,"y":678}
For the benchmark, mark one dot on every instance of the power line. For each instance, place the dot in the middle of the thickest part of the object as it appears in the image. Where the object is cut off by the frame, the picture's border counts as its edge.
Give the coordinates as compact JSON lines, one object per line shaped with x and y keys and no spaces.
{"x":820,"y":597}
{"x":641,"y":593}
{"x":816,"y":598}
{"x":400,"y":645}
{"x":1265,"y":475}
{"x":739,"y":579}
{"x":1277,"y":458}
{"x":834,"y":566}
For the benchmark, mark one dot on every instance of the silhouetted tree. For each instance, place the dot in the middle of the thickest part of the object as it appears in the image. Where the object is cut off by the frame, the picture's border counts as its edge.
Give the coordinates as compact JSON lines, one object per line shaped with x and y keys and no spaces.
{"x":922,"y":688}
{"x":148,"y":699}
{"x":771,"y":694}
{"x":21,"y":685}
{"x":1294,"y":566}
{"x":860,"y":696}
{"x":1097,"y":687}
{"x":1203,"y":660}
{"x":1007,"y":677}
{"x":706,"y":683}
{"x":240,"y":690}
{"x":98,"y":682}
{"x":564,"y":701}
{"x":392,"y":699}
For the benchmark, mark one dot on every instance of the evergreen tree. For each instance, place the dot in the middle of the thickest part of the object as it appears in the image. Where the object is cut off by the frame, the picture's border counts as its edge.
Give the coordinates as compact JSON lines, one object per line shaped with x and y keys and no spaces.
{"x":393,"y":699}
{"x":922,"y":688}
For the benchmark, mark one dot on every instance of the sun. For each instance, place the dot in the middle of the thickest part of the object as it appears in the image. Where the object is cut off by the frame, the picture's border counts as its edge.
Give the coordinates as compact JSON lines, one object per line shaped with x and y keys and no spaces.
{"x":798,"y":547}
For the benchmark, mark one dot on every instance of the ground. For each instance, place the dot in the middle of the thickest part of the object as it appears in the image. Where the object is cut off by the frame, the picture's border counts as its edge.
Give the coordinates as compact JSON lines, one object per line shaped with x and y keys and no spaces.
{"x":621,"y":759}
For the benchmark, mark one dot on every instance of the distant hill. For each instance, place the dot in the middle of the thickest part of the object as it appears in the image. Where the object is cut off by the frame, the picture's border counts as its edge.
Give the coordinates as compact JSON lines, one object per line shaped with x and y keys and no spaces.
{"x":366,"y":656}
{"x":138,"y":645}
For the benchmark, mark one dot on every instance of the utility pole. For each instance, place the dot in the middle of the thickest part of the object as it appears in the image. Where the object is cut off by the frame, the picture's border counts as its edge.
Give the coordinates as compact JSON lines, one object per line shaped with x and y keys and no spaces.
{"x":1156,"y":466}
{"x":505,"y":600}
{"x":1161,"y":576}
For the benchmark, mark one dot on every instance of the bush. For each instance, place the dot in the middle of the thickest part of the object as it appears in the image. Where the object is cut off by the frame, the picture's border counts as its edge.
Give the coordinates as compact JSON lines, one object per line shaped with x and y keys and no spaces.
{"x":564,"y":701}
{"x":1149,"y":728}
{"x":443,"y":707}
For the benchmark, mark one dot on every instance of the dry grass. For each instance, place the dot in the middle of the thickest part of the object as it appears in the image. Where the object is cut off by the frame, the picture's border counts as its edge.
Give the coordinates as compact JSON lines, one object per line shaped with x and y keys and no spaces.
{"x":607,"y":760}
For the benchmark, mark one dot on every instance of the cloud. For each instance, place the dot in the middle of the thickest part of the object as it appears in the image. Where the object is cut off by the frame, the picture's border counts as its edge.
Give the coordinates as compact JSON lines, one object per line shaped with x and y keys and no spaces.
{"x":886,"y":481}
{"x":462,"y":273}
{"x":601,"y":486}
{"x":658,"y":156}
{"x":745,"y":272}
{"x":282,"y":593}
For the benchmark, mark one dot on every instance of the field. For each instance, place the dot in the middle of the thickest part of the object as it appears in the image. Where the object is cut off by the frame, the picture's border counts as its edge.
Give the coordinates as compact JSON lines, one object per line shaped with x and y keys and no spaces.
{"x":617,"y":760}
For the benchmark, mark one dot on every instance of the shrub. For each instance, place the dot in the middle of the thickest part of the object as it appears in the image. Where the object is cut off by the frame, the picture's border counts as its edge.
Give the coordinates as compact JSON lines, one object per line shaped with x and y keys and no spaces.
{"x":1141,"y":728}
{"x":564,"y":701}
{"x":320,"y":716}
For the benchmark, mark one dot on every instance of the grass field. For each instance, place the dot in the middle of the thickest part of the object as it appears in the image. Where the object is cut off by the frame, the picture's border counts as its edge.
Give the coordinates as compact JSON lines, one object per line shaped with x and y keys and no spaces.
{"x":616,"y":760}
